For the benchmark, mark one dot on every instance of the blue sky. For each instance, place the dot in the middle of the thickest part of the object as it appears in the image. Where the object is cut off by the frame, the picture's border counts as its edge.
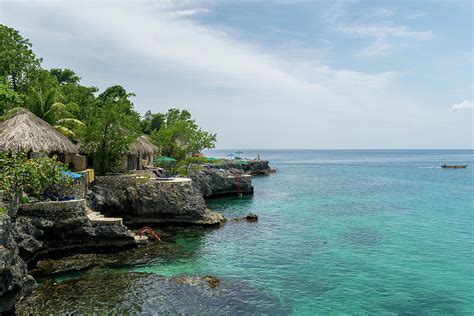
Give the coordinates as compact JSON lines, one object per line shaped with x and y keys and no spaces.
{"x":275,"y":74}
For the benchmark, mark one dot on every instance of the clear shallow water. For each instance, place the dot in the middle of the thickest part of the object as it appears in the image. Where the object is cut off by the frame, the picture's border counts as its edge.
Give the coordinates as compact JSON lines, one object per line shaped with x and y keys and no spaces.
{"x":339,"y":232}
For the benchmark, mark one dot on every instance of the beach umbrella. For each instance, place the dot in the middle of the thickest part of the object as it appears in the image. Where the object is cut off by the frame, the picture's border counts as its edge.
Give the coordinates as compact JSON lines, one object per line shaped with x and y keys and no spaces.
{"x":239,"y":152}
{"x":242,"y":162}
{"x":198,"y":155}
{"x":165,"y":159}
{"x":212,"y":158}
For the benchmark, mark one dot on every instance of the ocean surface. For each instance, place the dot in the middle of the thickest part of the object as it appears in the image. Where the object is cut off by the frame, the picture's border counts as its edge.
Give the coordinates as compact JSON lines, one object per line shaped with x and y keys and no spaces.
{"x":383,"y":232}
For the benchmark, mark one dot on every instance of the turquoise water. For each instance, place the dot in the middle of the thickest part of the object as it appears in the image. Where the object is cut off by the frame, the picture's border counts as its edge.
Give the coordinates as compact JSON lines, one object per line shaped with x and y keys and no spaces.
{"x":339,"y":232}
{"x":355,"y":232}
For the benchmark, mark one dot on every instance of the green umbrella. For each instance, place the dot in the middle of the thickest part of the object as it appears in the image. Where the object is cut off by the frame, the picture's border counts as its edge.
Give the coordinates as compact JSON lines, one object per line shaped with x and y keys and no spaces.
{"x":165,"y":159}
{"x":212,"y":158}
{"x":242,"y":162}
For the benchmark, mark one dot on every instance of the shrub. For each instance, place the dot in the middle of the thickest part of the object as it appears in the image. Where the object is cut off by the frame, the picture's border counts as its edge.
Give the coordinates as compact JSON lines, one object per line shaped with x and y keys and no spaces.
{"x":34,"y":176}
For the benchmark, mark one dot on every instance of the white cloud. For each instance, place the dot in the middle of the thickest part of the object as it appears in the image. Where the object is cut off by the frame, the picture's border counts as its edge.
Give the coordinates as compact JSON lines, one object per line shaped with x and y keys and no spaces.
{"x":464,"y":105}
{"x":190,"y":12}
{"x":246,"y":93}
{"x":381,"y":12}
{"x":384,"y":37}
{"x":379,"y":26}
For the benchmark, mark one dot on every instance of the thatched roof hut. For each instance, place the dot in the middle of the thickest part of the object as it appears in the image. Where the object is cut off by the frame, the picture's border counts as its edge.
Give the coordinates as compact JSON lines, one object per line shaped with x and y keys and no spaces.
{"x":25,"y":131}
{"x":143,"y":146}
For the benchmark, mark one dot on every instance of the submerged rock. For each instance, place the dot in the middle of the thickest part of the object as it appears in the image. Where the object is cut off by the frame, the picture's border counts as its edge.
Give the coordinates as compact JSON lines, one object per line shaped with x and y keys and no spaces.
{"x":214,"y":182}
{"x":252,"y":217}
{"x":152,"y":202}
{"x":15,"y":282}
{"x":113,"y":292}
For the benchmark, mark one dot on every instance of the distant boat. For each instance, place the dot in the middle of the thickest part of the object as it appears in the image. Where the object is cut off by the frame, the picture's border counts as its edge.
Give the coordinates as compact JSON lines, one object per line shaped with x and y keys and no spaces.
{"x":454,"y":166}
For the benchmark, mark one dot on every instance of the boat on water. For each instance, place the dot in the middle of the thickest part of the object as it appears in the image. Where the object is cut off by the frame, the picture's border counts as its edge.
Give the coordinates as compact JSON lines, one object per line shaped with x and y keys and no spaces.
{"x":454,"y":166}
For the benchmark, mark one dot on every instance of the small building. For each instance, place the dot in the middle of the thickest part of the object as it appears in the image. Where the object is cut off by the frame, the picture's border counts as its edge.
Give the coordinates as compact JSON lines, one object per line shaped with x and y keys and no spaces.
{"x":25,"y":131}
{"x":141,"y":154}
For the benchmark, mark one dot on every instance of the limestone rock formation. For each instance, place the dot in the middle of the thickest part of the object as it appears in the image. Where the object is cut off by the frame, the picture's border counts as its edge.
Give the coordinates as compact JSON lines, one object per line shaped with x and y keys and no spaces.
{"x":58,"y":228}
{"x":14,"y":279}
{"x":214,"y":182}
{"x":151,"y":202}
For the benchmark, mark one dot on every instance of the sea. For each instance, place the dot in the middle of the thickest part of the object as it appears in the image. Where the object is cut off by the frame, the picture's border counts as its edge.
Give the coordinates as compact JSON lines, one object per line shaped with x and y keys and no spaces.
{"x":340,"y":232}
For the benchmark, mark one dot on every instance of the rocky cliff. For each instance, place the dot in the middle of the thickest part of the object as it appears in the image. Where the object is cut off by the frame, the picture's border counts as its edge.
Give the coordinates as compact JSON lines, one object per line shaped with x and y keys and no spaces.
{"x":214,"y":182}
{"x":144,"y":201}
{"x":48,"y":229}
{"x":14,"y":279}
{"x":248,"y":166}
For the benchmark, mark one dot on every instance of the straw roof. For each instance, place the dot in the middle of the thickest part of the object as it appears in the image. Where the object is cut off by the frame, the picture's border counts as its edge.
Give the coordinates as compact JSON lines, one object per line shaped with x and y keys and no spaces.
{"x":144,"y":146}
{"x":24,"y":130}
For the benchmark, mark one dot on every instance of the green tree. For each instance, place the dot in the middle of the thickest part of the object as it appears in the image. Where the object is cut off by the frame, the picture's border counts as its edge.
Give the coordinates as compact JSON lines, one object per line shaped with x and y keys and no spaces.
{"x":180,"y":136}
{"x":117,"y":95}
{"x":112,"y":128}
{"x":65,"y":76}
{"x":9,"y":99}
{"x":16,"y":57}
{"x":152,"y":122}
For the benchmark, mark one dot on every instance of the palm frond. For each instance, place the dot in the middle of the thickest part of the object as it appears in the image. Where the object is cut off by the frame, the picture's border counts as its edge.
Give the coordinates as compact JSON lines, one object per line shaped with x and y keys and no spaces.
{"x":66,"y":132}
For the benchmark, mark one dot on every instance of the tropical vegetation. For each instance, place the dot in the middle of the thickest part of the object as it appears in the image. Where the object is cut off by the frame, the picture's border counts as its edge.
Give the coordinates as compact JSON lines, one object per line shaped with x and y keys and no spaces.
{"x":104,"y":123}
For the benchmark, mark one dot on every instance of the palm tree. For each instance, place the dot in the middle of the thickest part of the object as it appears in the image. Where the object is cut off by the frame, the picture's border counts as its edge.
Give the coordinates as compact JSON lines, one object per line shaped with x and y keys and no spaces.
{"x":57,"y":114}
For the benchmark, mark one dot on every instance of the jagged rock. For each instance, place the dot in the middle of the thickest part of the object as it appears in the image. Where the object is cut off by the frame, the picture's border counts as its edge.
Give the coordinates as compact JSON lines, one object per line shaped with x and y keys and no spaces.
{"x":14,"y":279}
{"x":58,"y":228}
{"x":214,"y":182}
{"x":151,"y":202}
{"x":252,"y":217}
{"x":212,"y":281}
{"x":250,"y":166}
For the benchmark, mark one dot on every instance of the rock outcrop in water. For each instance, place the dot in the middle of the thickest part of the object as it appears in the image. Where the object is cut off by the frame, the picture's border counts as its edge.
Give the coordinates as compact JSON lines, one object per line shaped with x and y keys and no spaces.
{"x":48,"y":229}
{"x":254,"y":167}
{"x":214,"y":182}
{"x":144,"y":201}
{"x":14,"y":279}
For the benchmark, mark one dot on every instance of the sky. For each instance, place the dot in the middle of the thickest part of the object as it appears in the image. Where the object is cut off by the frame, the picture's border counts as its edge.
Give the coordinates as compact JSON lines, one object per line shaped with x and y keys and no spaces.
{"x":275,"y":74}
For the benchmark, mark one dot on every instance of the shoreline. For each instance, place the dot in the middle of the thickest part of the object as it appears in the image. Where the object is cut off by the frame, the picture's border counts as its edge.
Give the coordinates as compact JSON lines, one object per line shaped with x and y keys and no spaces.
{"x":141,"y":204}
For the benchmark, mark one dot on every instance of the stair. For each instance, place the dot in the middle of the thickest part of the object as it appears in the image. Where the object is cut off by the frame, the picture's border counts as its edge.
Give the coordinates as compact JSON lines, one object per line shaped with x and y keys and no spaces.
{"x":99,"y":219}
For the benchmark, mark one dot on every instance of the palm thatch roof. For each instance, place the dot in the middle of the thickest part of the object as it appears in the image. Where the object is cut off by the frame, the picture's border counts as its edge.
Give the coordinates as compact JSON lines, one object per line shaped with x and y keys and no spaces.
{"x":143,"y":146}
{"x":25,"y":131}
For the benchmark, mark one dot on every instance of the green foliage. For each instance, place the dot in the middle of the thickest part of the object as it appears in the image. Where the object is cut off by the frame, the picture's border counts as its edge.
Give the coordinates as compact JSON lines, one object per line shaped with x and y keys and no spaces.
{"x":3,"y":211}
{"x":17,"y":59}
{"x":180,"y":136}
{"x":65,"y":76}
{"x":152,"y":122}
{"x":9,"y":99}
{"x":109,"y":133}
{"x":34,"y":176}
{"x":105,"y":125}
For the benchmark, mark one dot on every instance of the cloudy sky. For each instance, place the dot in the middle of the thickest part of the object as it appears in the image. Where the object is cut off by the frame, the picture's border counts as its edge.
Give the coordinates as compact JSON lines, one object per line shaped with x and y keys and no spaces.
{"x":275,"y":74}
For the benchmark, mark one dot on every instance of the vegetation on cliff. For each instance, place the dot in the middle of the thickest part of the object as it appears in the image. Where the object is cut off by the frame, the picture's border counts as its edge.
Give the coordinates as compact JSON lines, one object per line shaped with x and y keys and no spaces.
{"x":105,"y":124}
{"x":34,"y":176}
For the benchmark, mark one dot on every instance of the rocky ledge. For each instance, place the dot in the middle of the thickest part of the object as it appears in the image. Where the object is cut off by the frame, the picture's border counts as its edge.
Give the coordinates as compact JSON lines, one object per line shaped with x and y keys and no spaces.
{"x":49,"y":229}
{"x":216,"y":182}
{"x":148,"y":201}
{"x":14,"y":279}
{"x":254,"y":167}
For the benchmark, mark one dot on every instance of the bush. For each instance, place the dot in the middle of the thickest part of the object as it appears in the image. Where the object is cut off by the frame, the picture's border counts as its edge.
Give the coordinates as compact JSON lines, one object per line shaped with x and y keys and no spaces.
{"x":33,"y":176}
{"x":3,"y":211}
